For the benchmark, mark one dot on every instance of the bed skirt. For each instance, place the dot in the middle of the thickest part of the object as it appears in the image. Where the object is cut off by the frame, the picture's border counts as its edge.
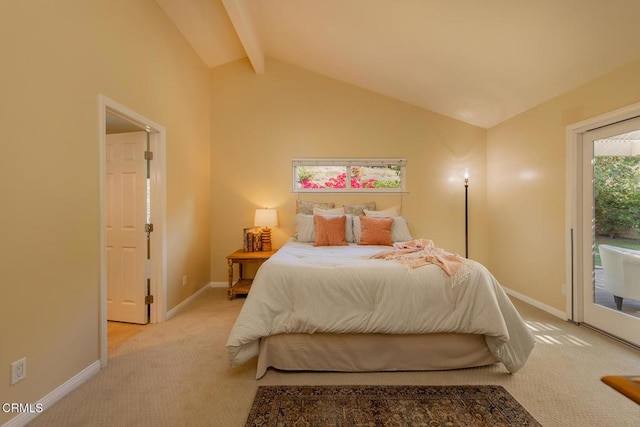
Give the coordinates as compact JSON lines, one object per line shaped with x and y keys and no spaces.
{"x":372,"y":352}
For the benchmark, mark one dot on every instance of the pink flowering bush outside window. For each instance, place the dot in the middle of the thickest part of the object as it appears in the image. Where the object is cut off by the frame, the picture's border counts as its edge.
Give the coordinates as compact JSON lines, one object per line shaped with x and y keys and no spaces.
{"x":340,"y":181}
{"x":333,"y":176}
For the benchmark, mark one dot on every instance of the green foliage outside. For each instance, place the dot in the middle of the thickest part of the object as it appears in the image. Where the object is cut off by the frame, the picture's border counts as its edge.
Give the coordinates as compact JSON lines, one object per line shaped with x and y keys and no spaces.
{"x":304,"y":174}
{"x":386,"y":184}
{"x":616,"y":195}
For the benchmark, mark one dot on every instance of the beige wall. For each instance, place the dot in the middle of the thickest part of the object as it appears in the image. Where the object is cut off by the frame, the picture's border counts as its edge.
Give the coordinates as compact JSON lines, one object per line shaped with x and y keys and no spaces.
{"x":526,"y":163}
{"x":57,"y":56}
{"x":261,"y":122}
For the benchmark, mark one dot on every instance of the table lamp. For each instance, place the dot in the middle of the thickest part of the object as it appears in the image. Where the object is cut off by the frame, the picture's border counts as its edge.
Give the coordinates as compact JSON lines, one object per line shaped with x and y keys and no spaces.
{"x":266,"y":218}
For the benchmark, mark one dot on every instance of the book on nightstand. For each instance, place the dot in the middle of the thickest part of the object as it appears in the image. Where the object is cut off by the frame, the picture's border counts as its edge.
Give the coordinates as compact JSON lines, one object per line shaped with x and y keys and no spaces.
{"x":252,"y":239}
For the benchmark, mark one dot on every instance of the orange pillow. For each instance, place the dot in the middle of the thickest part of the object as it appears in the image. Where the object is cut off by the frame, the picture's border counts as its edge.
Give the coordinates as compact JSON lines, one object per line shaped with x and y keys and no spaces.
{"x":330,"y":231}
{"x":375,"y":231}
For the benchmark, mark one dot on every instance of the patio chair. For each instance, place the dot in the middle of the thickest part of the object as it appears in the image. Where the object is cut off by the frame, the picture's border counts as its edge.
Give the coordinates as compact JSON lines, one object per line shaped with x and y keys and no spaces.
{"x":621,"y":272}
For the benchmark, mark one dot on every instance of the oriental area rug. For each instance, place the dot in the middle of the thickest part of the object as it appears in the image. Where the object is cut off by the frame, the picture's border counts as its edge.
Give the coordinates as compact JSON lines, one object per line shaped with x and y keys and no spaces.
{"x":478,"y":405}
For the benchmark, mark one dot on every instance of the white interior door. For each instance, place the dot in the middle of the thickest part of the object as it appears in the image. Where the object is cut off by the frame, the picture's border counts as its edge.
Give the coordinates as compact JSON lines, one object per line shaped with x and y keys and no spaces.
{"x":126,"y":215}
{"x":610,"y":140}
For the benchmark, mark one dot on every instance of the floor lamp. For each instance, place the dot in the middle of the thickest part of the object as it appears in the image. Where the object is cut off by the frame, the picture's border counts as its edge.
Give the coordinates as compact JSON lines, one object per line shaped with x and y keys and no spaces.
{"x":466,"y":213}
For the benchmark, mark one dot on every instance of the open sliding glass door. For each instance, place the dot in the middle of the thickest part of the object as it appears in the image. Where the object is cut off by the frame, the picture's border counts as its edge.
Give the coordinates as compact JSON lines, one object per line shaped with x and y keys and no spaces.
{"x":610,"y":167}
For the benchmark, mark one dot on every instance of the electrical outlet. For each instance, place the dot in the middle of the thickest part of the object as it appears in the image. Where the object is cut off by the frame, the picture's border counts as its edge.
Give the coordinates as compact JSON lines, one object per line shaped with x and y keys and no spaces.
{"x":564,"y":289}
{"x":18,"y":370}
{"x":184,"y":280}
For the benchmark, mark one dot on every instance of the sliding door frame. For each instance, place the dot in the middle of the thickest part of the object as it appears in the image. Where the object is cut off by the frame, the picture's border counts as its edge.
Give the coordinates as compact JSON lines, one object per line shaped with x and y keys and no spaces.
{"x":574,"y":221}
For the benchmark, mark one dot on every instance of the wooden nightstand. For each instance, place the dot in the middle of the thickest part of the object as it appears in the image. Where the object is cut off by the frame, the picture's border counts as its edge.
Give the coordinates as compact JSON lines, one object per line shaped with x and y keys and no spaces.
{"x":240,"y":257}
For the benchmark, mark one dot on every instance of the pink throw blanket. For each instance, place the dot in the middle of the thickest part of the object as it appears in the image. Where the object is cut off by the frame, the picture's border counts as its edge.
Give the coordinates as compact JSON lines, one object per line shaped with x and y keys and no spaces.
{"x":419,"y":252}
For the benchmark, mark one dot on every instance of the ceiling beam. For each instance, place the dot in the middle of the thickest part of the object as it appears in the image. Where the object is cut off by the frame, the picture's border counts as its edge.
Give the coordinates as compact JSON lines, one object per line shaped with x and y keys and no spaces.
{"x":243,"y":25}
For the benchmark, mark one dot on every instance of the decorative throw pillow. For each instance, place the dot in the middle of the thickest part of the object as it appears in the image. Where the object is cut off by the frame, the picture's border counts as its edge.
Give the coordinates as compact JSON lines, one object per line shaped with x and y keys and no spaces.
{"x":305,"y":228}
{"x":399,"y":230}
{"x":306,"y":208}
{"x":357,"y":209}
{"x":392,"y":211}
{"x":330,"y":231}
{"x":375,"y":231}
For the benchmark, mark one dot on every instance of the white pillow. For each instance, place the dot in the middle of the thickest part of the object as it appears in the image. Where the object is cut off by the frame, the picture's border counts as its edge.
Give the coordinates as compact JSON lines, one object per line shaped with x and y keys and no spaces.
{"x":392,"y":211}
{"x":306,"y":232}
{"x":399,"y":229}
{"x":334,"y":211}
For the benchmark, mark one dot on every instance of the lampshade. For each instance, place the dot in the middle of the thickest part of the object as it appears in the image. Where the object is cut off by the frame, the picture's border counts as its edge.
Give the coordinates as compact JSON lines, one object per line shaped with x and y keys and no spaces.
{"x":266,"y":218}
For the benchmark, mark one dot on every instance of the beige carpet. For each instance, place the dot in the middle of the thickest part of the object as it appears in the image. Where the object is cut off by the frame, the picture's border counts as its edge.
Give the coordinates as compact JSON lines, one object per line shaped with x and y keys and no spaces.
{"x":177,"y":374}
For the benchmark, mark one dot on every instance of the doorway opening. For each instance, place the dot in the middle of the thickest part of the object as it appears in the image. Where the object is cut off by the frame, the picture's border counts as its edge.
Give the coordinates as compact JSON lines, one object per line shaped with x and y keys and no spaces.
{"x":115,"y":119}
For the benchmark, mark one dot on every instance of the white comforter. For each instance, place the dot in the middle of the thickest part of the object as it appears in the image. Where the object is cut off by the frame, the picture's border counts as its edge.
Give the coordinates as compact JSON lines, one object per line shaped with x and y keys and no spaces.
{"x":329,"y":289}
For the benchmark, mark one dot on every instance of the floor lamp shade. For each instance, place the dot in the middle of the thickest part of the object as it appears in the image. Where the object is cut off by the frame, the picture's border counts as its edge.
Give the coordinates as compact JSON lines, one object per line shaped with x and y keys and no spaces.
{"x":266,"y":218}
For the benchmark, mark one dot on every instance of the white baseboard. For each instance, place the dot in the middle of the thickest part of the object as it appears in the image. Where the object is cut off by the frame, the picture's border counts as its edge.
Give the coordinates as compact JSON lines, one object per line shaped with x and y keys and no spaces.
{"x":544,"y":307}
{"x":57,"y":394}
{"x":175,"y":310}
{"x":219,"y":284}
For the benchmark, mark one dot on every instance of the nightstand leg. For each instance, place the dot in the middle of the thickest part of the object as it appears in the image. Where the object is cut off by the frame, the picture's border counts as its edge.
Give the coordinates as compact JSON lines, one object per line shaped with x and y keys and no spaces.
{"x":230,"y":271}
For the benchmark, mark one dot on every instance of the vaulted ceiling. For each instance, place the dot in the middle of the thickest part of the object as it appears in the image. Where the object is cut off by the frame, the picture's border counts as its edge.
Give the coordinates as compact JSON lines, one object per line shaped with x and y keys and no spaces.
{"x":479,"y":61}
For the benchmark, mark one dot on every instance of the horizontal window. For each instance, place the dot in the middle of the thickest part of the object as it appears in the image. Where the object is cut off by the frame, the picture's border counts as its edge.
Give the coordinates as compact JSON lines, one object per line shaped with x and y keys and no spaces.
{"x":349,"y":175}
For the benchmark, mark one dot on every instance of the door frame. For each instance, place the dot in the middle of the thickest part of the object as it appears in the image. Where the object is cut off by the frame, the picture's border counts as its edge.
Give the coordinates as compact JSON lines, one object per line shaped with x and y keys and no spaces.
{"x":158,"y":285}
{"x":573,"y":221}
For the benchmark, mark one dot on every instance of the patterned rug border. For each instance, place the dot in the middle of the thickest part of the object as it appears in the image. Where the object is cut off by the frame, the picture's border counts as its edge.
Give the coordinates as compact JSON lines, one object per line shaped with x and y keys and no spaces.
{"x":268,"y":402}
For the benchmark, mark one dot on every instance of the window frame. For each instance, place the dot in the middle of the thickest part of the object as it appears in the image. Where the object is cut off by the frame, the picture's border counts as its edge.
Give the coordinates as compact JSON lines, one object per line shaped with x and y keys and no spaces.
{"x":347,"y":163}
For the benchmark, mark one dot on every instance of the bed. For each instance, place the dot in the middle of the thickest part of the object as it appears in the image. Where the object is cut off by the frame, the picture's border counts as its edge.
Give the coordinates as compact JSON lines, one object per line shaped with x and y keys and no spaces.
{"x":335,"y":308}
